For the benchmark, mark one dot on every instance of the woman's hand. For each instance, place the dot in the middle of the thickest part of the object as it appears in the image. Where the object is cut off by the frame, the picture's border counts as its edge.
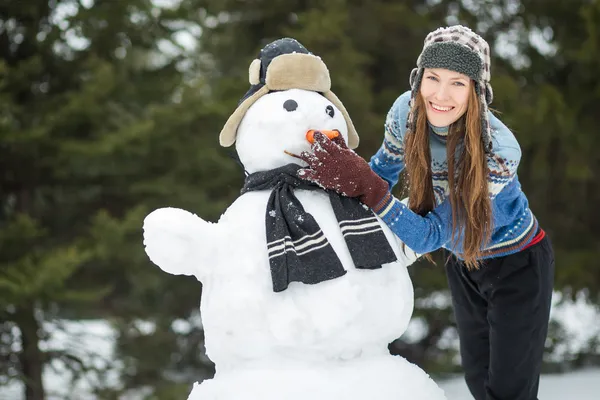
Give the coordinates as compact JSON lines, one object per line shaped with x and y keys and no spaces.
{"x":334,"y":166}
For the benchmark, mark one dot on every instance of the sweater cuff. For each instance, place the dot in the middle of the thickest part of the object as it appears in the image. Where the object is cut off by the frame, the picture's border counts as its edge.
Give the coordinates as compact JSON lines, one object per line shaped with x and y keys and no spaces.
{"x":384,"y":205}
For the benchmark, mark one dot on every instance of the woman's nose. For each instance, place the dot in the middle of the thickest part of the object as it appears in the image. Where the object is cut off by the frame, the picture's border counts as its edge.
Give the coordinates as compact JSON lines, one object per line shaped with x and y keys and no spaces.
{"x":441,"y":92}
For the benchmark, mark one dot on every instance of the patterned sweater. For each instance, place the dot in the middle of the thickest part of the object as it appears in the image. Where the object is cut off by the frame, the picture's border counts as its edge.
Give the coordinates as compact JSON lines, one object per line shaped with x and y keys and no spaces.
{"x":514,"y":224}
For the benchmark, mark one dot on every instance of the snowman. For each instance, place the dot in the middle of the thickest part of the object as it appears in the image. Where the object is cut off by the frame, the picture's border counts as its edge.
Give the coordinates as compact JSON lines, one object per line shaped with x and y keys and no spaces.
{"x":303,"y":289}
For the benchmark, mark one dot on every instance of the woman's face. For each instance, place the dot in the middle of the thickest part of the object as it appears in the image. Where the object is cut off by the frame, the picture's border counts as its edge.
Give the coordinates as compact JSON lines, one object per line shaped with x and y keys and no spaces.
{"x":446,"y":95}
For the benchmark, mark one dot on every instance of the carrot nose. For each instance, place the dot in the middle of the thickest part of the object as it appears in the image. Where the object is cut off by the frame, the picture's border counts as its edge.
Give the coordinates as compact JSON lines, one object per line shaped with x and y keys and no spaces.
{"x":310,"y":135}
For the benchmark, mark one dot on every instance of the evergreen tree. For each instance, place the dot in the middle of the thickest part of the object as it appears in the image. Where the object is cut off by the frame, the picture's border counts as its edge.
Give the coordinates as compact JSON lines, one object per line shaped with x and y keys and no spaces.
{"x":102,"y":121}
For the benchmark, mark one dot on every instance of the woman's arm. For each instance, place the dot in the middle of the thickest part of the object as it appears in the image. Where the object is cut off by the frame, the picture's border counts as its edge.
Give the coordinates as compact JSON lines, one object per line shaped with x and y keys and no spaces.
{"x":332,"y":165}
{"x":423,"y":234}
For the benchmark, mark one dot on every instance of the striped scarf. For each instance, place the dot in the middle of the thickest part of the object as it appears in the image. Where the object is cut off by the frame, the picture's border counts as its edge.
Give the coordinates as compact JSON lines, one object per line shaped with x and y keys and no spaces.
{"x":298,"y":250}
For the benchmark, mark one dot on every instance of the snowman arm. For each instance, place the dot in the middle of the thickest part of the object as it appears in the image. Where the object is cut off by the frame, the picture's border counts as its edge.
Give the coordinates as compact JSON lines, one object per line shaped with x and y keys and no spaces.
{"x":423,"y":234}
{"x":181,"y":243}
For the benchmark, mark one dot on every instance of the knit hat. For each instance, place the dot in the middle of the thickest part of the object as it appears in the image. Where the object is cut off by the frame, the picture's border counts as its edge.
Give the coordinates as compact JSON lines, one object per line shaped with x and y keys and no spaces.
{"x":281,"y":65}
{"x":458,"y":49}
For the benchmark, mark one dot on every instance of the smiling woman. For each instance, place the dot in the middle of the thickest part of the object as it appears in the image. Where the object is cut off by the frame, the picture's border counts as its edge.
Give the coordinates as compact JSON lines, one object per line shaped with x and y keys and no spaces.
{"x":464,"y":196}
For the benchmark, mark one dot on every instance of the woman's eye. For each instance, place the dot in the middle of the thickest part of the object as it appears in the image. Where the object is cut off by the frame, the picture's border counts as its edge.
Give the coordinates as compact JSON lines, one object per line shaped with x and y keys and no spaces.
{"x":459,"y":84}
{"x":433,"y":78}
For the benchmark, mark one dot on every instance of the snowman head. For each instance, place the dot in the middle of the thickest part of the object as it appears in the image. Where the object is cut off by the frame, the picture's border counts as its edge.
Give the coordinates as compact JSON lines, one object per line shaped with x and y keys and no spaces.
{"x":282,"y":66}
{"x":276,"y":126}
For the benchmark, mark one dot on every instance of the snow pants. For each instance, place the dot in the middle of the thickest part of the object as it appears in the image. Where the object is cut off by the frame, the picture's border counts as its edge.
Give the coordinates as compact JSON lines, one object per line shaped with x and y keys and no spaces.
{"x":502,"y":311}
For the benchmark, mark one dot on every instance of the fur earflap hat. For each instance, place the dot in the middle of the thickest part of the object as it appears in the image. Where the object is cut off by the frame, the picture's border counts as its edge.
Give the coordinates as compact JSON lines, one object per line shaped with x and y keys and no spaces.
{"x":281,"y":65}
{"x":458,"y":49}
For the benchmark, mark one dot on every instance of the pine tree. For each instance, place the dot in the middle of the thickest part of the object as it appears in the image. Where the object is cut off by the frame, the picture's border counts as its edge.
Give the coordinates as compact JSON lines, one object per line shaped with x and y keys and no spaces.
{"x":103,"y":119}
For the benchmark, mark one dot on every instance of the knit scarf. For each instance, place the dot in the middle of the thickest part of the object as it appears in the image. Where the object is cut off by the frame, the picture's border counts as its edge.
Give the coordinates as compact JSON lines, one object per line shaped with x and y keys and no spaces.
{"x":297,"y":248}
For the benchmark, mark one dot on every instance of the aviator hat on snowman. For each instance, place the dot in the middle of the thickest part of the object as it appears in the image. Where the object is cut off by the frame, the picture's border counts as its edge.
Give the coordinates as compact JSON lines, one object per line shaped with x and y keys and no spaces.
{"x":458,"y":49}
{"x":285,"y":64}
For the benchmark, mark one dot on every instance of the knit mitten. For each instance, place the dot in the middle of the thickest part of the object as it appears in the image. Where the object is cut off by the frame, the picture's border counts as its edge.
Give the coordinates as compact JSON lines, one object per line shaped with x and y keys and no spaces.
{"x":332,"y":165}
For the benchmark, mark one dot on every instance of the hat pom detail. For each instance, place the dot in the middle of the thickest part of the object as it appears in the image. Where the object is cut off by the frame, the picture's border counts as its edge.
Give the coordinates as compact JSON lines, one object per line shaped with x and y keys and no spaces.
{"x":254,"y":72}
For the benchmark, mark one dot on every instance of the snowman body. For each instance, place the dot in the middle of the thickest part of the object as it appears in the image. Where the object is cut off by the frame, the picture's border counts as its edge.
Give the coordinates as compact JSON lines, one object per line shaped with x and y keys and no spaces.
{"x":319,"y":341}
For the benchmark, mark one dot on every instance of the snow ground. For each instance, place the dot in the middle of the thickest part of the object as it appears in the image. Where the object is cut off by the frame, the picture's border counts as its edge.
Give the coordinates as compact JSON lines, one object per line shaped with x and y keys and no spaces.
{"x":580,"y":320}
{"x":580,"y":385}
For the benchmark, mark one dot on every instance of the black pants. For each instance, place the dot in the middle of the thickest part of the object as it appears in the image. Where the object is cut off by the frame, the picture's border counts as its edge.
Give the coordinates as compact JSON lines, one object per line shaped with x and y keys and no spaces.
{"x":502,"y":311}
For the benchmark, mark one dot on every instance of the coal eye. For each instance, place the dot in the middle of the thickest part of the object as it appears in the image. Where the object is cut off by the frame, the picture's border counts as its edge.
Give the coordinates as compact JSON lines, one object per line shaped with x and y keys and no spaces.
{"x":329,"y":111}
{"x":290,"y":105}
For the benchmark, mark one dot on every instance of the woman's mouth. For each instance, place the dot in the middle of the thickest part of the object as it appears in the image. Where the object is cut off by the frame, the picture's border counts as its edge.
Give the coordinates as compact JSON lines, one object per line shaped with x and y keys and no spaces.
{"x":439,"y":108}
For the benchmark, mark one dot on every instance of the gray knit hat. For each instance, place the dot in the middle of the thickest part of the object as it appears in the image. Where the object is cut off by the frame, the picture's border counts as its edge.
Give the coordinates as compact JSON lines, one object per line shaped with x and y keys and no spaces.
{"x":458,"y":49}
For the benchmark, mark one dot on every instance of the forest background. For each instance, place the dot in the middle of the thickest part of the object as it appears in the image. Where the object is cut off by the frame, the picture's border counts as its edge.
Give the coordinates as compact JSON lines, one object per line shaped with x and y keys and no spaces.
{"x":110,"y":109}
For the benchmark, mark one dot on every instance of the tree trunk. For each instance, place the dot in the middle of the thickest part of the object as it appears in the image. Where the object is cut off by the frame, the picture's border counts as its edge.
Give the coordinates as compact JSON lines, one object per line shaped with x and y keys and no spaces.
{"x":31,"y":357}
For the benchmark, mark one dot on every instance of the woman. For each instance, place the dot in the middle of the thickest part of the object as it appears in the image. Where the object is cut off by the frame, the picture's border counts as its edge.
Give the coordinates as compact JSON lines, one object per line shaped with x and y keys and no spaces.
{"x":464,"y":196}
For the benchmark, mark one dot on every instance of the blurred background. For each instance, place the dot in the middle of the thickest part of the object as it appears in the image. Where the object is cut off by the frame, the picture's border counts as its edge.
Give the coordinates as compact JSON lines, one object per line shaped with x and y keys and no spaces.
{"x":110,"y":109}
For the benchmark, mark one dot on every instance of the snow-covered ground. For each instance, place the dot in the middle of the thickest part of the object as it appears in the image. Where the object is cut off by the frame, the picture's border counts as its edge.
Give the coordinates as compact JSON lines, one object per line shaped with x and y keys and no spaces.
{"x":93,"y":342}
{"x":580,"y":385}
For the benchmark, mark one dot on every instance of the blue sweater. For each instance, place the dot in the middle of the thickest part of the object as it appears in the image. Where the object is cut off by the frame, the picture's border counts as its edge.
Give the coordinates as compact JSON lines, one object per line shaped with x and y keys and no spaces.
{"x":514,"y":224}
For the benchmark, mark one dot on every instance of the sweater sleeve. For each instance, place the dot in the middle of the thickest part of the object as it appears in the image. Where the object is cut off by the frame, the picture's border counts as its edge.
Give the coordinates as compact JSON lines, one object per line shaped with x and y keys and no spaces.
{"x":422,"y":234}
{"x":504,"y":158}
{"x":388,"y":162}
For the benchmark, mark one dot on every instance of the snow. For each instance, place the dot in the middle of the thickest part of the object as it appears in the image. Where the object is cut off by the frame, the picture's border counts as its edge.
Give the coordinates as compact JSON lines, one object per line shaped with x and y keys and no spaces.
{"x":92,"y":342}
{"x":99,"y":335}
{"x":255,"y":144}
{"x":362,"y":379}
{"x":580,"y":321}
{"x":580,"y":385}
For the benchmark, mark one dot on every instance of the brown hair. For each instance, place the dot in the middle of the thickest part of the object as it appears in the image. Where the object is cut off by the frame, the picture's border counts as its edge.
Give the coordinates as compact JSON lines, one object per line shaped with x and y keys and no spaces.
{"x":467,"y":177}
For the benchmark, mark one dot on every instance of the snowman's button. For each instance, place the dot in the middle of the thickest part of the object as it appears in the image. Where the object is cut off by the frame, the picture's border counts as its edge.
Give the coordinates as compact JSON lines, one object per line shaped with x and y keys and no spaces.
{"x":290,"y":105}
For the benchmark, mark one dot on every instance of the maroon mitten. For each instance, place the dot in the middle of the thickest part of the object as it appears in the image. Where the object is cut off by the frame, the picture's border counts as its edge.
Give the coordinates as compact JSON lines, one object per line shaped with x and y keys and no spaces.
{"x":334,"y":166}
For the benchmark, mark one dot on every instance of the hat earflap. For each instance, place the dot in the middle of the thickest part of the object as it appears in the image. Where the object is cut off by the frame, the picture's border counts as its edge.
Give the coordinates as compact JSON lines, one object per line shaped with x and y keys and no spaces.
{"x":413,"y":75}
{"x":489,"y":94}
{"x":254,"y":72}
{"x":486,"y":131}
{"x":416,"y":76}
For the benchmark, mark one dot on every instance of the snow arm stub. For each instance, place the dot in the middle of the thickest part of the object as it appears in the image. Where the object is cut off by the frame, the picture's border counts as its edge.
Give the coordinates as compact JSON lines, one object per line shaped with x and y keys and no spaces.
{"x":181,"y":243}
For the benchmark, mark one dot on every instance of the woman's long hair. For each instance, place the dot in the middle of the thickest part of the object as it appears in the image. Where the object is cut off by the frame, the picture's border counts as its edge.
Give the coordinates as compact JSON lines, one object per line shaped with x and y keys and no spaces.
{"x":467,"y":177}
